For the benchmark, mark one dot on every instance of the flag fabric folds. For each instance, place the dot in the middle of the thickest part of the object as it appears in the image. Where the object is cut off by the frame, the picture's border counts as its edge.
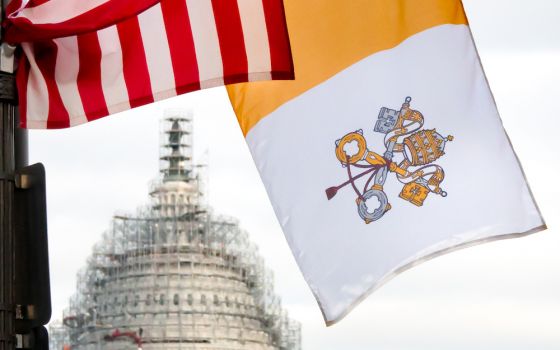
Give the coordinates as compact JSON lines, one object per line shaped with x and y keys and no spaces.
{"x":84,"y":60}
{"x":40,"y":20}
{"x":387,"y":150}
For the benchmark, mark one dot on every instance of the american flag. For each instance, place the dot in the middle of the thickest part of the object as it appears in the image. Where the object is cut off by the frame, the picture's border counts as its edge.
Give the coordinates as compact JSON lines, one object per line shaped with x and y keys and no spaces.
{"x":86,"y":59}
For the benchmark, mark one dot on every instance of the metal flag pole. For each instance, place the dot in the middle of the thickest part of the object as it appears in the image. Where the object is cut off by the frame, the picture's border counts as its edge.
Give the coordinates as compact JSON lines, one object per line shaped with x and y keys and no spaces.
{"x":7,"y":168}
{"x":13,"y":156}
{"x":7,"y":187}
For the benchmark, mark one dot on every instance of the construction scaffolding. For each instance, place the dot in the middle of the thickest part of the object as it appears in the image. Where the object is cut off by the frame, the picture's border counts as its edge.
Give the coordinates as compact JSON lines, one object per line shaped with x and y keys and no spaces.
{"x":175,"y":275}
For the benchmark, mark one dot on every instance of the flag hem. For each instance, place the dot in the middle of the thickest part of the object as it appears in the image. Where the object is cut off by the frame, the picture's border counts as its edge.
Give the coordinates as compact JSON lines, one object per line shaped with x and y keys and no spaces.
{"x":502,"y":123}
{"x":395,"y":272}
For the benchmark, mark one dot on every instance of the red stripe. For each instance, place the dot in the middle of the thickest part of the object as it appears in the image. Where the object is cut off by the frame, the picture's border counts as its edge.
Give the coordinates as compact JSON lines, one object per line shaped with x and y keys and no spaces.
{"x":45,"y":56}
{"x":181,"y":45}
{"x":232,"y":44}
{"x":19,"y":30}
{"x":13,"y":6}
{"x":135,"y":66}
{"x":35,"y":3}
{"x":22,"y":77}
{"x":89,"y":77}
{"x":280,"y":52}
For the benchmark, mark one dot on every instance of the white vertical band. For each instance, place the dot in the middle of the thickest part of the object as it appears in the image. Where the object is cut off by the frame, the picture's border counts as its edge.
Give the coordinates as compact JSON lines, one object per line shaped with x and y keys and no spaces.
{"x":112,"y":75}
{"x":37,"y":93}
{"x":206,"y":42}
{"x":255,"y":34}
{"x":56,"y":11}
{"x":158,"y":55}
{"x":66,"y":77}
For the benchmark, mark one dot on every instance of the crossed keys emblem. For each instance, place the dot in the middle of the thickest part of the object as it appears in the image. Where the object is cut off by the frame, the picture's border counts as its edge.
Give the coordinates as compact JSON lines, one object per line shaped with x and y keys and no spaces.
{"x":410,"y":153}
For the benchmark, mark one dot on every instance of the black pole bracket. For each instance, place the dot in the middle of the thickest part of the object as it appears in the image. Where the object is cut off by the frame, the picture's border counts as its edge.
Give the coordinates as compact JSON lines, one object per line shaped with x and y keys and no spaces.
{"x":8,"y":91}
{"x":7,"y":176}
{"x":6,"y":307}
{"x":31,"y":282}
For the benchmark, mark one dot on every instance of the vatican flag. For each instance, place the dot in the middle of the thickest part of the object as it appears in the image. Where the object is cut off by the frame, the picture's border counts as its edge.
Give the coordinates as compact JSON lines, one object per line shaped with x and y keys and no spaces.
{"x":387,"y":150}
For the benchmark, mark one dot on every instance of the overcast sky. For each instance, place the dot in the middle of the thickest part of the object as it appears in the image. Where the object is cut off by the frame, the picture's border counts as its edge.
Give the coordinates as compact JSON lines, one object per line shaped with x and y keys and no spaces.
{"x":502,"y":295}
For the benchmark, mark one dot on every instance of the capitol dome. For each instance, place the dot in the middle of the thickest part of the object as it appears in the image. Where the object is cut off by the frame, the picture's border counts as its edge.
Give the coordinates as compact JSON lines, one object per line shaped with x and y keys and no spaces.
{"x":175,"y":275}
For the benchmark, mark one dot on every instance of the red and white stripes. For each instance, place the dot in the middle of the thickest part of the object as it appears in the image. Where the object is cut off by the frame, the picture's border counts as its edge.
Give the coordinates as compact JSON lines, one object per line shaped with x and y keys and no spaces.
{"x":170,"y":48}
{"x":32,"y":20}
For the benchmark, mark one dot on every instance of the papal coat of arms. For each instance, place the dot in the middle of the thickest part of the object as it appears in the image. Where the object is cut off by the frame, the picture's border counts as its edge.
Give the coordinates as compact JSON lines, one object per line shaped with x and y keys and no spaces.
{"x":410,"y":154}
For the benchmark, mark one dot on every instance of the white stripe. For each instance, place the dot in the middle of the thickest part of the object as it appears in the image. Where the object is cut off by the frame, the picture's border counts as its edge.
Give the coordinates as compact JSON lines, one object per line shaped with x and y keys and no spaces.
{"x":206,"y":42}
{"x":56,"y":11}
{"x":37,"y":93}
{"x":112,"y":75}
{"x":255,"y":34}
{"x":66,"y":76}
{"x":158,"y":56}
{"x":21,"y":7}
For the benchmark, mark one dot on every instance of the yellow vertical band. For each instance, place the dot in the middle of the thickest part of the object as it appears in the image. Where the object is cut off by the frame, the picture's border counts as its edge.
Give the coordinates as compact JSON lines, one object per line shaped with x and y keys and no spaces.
{"x":328,"y":36}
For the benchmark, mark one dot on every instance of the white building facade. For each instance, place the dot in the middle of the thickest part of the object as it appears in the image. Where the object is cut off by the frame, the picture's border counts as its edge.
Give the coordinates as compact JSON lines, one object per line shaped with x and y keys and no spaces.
{"x":176,"y":276}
